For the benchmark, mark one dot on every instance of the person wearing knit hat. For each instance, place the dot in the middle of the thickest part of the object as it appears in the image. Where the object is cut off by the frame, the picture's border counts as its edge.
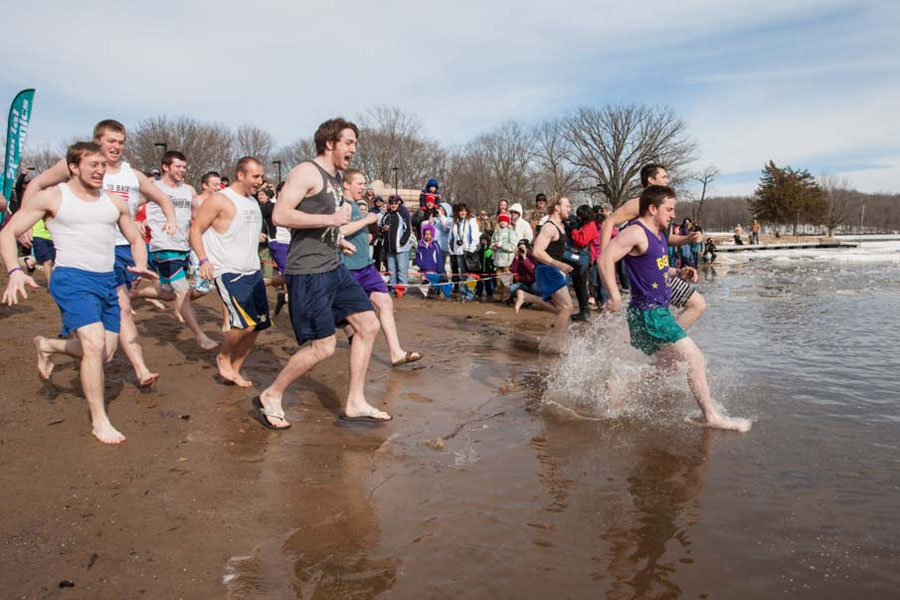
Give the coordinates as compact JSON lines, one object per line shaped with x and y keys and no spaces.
{"x":503,"y":242}
{"x":519,"y":224}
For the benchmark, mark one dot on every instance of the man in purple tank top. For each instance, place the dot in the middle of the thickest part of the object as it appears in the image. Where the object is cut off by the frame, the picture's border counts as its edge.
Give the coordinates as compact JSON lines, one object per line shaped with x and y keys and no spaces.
{"x":653,"y":329}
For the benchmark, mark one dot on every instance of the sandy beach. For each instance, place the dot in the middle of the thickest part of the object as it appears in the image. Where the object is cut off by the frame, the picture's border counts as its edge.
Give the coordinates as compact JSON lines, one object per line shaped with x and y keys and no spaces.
{"x":199,"y":481}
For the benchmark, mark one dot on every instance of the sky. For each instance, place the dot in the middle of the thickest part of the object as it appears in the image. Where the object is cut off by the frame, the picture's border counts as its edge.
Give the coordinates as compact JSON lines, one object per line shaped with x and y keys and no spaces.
{"x":810,"y":84}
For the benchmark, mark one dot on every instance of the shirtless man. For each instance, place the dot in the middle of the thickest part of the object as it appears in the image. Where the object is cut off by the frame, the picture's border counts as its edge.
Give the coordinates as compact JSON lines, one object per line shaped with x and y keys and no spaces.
{"x":134,"y":188}
{"x":171,"y":253}
{"x":323,"y":294}
{"x":549,"y":246}
{"x":83,"y":220}
{"x":225,"y":236}
{"x":362,"y":267}
{"x":653,"y":329}
{"x":684,"y":295}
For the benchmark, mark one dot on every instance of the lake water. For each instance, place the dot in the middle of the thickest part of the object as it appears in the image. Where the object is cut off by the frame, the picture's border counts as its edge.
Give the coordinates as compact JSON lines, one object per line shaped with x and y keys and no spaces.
{"x":511,"y":479}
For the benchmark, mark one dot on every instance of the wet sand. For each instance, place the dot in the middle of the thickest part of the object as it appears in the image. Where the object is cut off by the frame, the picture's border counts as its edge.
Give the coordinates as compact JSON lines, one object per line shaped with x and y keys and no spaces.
{"x":199,"y":484}
{"x":475,"y":490}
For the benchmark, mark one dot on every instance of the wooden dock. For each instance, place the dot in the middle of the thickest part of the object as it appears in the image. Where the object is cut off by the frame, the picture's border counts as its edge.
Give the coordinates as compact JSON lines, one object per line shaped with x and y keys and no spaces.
{"x":788,"y":246}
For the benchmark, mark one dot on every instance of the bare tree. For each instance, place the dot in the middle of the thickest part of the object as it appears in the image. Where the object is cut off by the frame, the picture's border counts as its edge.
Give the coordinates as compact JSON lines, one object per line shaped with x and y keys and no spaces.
{"x":295,"y":153}
{"x":508,"y":148}
{"x":552,"y":152}
{"x":41,"y":158}
{"x":612,"y":143}
{"x":208,"y":147}
{"x":704,"y":178}
{"x":390,"y":138}
{"x":840,"y":197}
{"x":253,"y":141}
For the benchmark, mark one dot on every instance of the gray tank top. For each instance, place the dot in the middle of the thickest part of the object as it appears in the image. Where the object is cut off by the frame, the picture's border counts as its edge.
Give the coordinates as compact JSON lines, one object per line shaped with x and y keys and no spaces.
{"x":315,"y":250}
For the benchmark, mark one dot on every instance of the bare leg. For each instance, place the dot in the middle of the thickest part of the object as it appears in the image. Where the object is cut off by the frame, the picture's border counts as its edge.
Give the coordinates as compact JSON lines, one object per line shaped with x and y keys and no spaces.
{"x":687,"y":351}
{"x":299,"y":364}
{"x":239,"y":355}
{"x":235,"y":347}
{"x":48,"y":269}
{"x":226,"y":319}
{"x":562,"y":302}
{"x":693,"y":310}
{"x":385,"y":307}
{"x":366,"y":326}
{"x":185,"y":308}
{"x":128,"y":338}
{"x":522,"y":297}
{"x":93,"y":348}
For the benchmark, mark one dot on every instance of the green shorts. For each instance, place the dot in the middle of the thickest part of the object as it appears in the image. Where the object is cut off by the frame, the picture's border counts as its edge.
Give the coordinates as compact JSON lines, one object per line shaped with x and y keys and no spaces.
{"x":651,"y":329}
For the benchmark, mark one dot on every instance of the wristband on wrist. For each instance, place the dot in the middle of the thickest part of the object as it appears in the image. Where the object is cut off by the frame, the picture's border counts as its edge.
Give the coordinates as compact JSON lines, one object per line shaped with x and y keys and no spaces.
{"x":203,"y":261}
{"x":13,"y":270}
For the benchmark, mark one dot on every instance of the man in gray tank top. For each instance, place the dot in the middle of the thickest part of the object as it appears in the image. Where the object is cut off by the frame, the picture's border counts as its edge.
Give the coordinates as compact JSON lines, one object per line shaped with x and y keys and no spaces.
{"x":321,"y":290}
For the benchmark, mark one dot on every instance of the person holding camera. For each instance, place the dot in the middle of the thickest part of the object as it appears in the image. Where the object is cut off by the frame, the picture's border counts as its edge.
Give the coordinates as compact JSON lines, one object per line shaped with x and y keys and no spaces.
{"x":464,"y":242}
{"x":396,"y":230}
{"x":523,"y":271}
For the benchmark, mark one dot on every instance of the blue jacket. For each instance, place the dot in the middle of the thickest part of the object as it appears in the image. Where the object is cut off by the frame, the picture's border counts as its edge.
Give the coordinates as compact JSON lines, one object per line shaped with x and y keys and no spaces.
{"x":429,"y":257}
{"x":442,"y":227}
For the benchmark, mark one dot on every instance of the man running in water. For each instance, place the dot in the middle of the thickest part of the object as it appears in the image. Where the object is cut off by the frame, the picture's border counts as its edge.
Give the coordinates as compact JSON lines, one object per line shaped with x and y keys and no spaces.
{"x":131,"y":186}
{"x":225,"y":236}
{"x":653,"y":329}
{"x":322,"y":292}
{"x":684,"y":294}
{"x":83,"y":220}
{"x":549,"y":247}
{"x":362,"y":267}
{"x":170,"y":253}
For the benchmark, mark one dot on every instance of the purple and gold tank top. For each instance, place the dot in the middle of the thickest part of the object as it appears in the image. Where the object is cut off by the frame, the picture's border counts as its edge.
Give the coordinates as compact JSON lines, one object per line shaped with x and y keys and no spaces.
{"x":647,"y":272}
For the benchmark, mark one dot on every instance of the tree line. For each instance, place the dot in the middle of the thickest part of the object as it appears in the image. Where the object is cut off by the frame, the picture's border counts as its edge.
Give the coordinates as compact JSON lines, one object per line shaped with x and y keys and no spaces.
{"x":593,"y":154}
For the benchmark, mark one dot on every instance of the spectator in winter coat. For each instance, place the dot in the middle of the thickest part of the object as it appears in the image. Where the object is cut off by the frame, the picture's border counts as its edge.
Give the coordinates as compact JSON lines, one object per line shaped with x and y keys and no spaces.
{"x":486,"y":268}
{"x":443,"y":224}
{"x":520,"y":225}
{"x":395,"y":231}
{"x":523,"y":270}
{"x":464,"y":236}
{"x":428,"y":255}
{"x":425,"y":215}
{"x":503,"y":242}
{"x":431,"y":189}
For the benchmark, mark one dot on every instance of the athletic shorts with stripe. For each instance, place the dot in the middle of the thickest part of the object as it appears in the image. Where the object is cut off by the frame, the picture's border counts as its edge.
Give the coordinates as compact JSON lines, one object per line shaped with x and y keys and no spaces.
{"x":245,"y":297}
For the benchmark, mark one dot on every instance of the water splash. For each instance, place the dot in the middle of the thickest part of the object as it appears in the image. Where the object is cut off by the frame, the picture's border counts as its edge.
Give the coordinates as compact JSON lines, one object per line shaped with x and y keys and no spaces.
{"x":601,"y":377}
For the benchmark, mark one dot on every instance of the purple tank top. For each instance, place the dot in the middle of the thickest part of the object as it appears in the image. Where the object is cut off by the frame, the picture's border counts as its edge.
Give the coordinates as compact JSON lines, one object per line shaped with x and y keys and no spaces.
{"x":647,"y":272}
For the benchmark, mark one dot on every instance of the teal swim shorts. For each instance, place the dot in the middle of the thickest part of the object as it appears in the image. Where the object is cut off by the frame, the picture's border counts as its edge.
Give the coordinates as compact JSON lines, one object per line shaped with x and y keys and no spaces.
{"x":651,"y":329}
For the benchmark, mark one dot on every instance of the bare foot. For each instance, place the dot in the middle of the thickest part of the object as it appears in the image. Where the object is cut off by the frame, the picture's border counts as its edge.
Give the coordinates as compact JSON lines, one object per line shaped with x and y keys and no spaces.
{"x":206,"y":343}
{"x":148,"y":380}
{"x":156,"y":304}
{"x":226,"y":371}
{"x":107,"y":434}
{"x":730,"y":423}
{"x":520,"y":300}
{"x":45,"y":365}
{"x":178,"y":316}
{"x":241,"y":382}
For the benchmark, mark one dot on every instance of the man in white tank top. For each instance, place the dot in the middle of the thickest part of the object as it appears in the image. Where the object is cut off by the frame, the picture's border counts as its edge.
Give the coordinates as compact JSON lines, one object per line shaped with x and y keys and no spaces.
{"x":83,"y":220}
{"x":225,"y":236}
{"x":170,"y":253}
{"x":129,"y":185}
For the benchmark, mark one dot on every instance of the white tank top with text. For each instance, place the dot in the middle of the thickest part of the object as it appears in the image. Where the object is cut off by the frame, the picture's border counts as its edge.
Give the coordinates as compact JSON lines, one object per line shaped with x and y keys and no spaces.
{"x":125,"y":186}
{"x":181,"y":200}
{"x":236,"y":250}
{"x":84,"y":232}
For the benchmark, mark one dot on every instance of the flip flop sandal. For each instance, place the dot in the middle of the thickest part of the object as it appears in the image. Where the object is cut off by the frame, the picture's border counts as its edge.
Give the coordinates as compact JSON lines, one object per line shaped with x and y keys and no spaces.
{"x":410,"y":357}
{"x":263,"y":414}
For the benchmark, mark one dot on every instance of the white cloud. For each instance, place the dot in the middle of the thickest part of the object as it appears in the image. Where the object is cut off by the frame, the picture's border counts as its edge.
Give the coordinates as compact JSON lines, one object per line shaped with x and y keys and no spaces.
{"x":465,"y":66}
